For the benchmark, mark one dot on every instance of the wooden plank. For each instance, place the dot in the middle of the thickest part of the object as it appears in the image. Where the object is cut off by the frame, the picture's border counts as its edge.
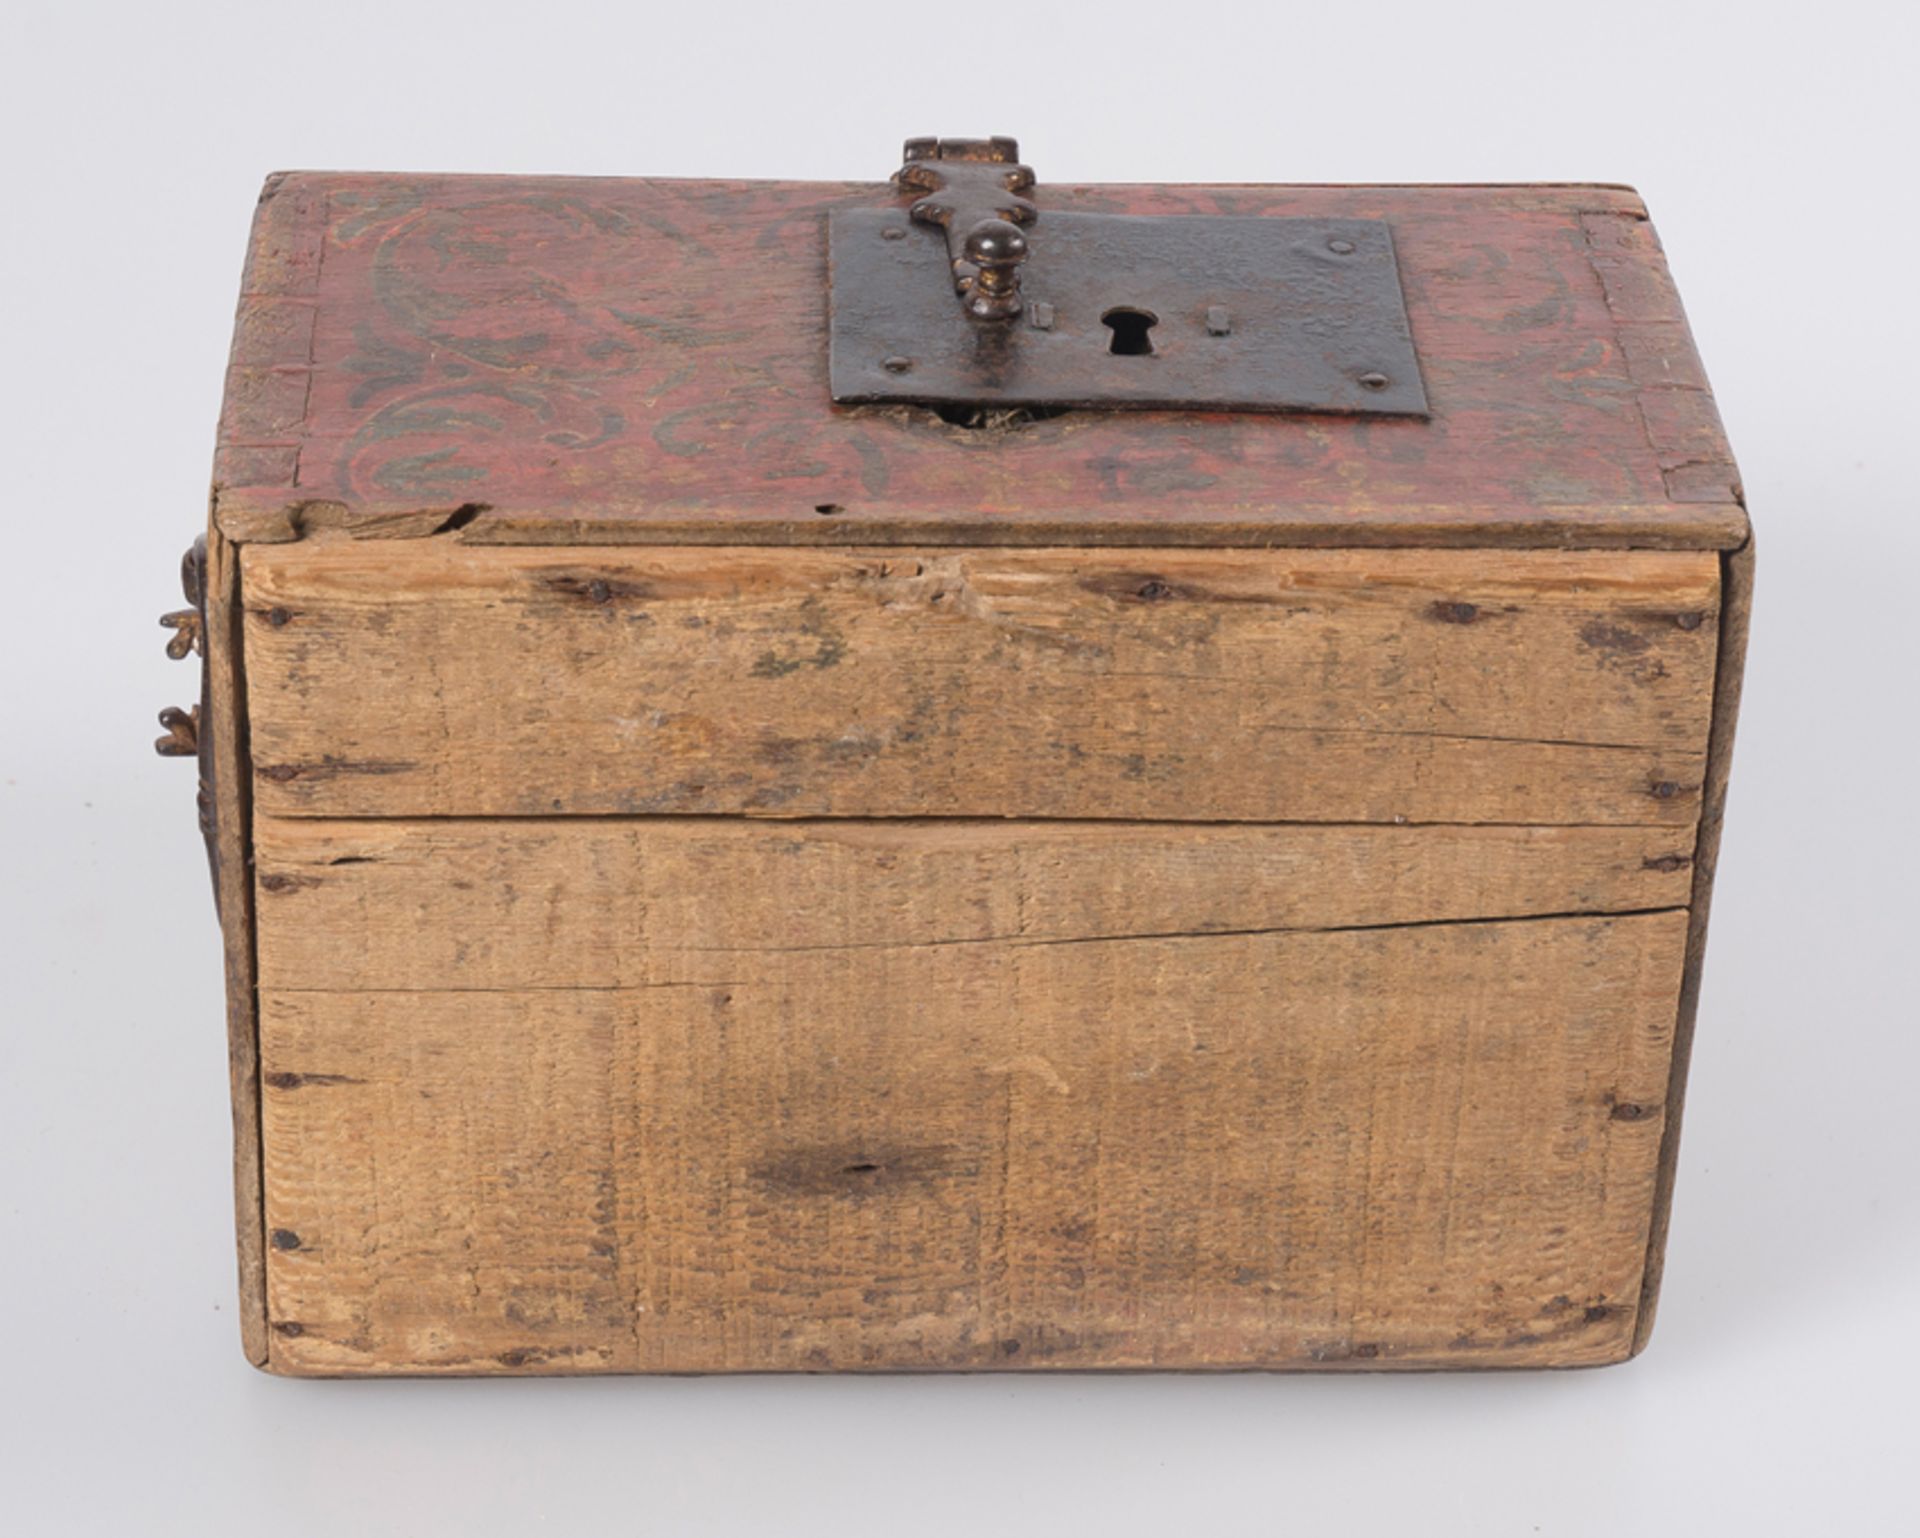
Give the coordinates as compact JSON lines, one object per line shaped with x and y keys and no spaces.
{"x":564,"y":359}
{"x":1412,"y":1146}
{"x":1734,"y":620}
{"x":430,"y":678}
{"x":233,"y":894}
{"x":594,"y":903}
{"x":1682,"y":423}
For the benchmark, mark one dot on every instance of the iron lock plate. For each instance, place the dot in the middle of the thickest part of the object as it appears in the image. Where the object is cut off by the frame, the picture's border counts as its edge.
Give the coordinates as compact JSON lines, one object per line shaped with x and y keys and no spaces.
{"x":1201,"y":312}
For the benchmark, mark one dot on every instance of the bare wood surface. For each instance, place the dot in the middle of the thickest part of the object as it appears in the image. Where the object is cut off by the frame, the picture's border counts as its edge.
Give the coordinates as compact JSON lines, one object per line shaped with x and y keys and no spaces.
{"x":233,"y":867}
{"x":559,"y":360}
{"x":1735,"y":618}
{"x":595,"y":903}
{"x":1411,"y":1146}
{"x":1318,"y":1011}
{"x":431,"y":678}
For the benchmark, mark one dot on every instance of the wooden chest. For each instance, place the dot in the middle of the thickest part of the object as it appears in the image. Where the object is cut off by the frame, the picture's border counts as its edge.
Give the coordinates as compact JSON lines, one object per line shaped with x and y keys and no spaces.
{"x":718,"y":878}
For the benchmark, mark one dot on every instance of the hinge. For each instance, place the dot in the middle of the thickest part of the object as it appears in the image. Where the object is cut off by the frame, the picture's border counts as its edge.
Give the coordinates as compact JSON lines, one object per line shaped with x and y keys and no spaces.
{"x":188,"y":731}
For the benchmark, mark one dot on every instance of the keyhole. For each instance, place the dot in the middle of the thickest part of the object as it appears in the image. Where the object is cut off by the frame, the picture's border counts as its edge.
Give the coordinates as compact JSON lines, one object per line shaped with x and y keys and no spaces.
{"x":1130,"y":328}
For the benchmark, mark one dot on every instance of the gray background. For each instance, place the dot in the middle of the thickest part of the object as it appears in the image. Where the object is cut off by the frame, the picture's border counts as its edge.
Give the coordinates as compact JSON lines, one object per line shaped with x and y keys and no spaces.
{"x":1775,"y":149}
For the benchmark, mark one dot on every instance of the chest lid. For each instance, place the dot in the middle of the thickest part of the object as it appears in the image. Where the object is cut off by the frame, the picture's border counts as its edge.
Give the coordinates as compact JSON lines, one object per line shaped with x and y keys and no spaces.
{"x":965,"y":356}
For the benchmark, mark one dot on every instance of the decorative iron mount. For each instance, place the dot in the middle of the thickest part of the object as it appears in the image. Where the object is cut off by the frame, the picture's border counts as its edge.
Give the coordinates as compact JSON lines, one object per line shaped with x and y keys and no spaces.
{"x":1203,"y":312}
{"x":188,"y":731}
{"x":973,"y":191}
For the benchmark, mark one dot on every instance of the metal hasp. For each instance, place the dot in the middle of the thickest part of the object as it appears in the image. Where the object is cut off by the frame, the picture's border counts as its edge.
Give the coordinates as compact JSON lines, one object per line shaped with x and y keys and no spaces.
{"x":972,"y":190}
{"x":1204,"y":312}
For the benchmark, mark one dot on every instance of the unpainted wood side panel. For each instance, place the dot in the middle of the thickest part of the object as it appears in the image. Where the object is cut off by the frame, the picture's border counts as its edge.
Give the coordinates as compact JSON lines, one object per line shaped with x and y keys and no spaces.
{"x":429,"y":678}
{"x":1736,"y":616}
{"x":1413,"y":1146}
{"x":596,"y":903}
{"x":233,"y":898}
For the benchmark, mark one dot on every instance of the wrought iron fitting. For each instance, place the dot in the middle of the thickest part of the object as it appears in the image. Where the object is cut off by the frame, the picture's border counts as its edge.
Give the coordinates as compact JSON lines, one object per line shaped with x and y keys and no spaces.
{"x":183,"y":733}
{"x":186,"y":637}
{"x":188,"y":733}
{"x":973,"y":189}
{"x":1202,"y":312}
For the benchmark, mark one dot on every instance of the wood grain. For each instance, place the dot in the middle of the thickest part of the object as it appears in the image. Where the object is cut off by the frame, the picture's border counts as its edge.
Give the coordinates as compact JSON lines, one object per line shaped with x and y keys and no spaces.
{"x":430,"y":678}
{"x":562,"y":360}
{"x":233,"y":893}
{"x":1736,"y":616}
{"x":1117,"y":890}
{"x":452,"y":904}
{"x":1411,"y":1146}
